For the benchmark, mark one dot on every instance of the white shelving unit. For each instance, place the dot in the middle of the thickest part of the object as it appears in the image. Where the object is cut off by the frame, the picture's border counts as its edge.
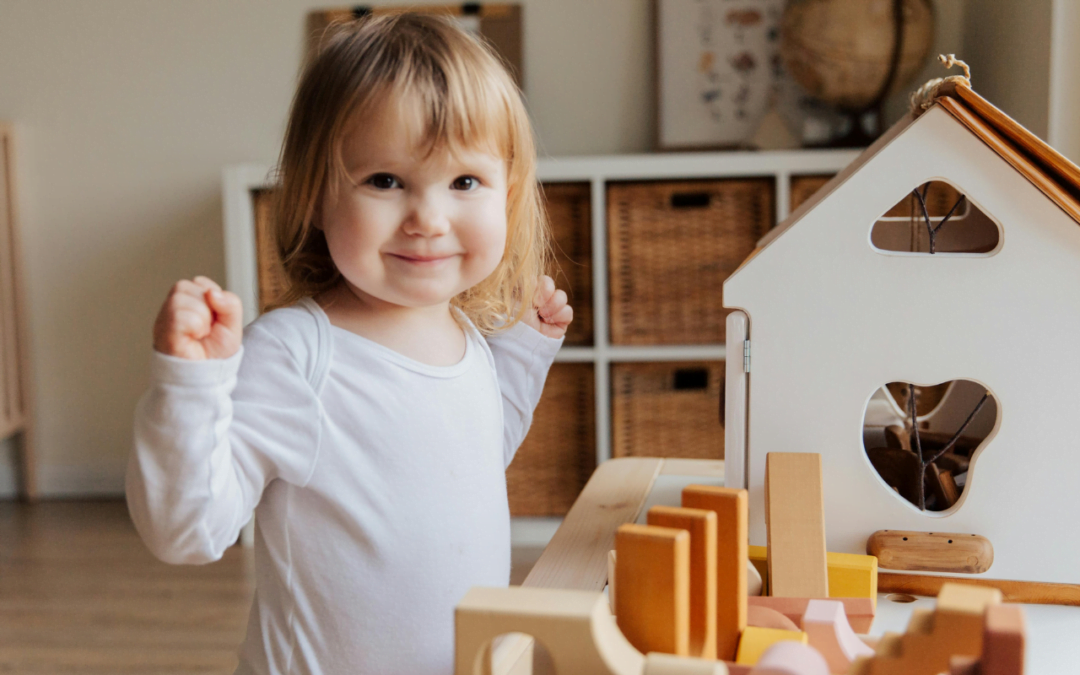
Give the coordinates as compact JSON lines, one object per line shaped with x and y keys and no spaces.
{"x":239,"y":182}
{"x":598,"y":172}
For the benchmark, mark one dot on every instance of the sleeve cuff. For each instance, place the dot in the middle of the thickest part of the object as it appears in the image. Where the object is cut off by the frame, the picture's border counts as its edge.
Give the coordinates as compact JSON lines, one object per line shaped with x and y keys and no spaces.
{"x":165,"y":369}
{"x":531,"y":339}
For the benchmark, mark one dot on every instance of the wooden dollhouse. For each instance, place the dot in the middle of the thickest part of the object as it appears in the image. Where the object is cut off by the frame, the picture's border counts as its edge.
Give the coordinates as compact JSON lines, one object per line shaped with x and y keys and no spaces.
{"x":838,"y":302}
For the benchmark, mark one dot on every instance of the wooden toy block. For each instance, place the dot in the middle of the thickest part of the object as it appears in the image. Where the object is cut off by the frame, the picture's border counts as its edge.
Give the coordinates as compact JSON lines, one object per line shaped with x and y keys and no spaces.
{"x":666,"y":664}
{"x":795,"y":525}
{"x":754,"y":583}
{"x":755,"y":641}
{"x":652,"y":566}
{"x":790,"y":658}
{"x":1003,"y":641}
{"x":964,"y":665}
{"x":759,"y":558}
{"x":933,"y":638}
{"x":828,"y":631}
{"x":763,"y":617}
{"x":931,"y":551}
{"x":576,"y":627}
{"x":611,"y":579}
{"x":701,"y":524}
{"x":851,"y":575}
{"x":730,"y":506}
{"x":859,"y":611}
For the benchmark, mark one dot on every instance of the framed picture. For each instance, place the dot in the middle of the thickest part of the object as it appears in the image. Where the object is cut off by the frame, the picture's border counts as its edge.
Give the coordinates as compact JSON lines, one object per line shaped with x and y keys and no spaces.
{"x":717,"y":63}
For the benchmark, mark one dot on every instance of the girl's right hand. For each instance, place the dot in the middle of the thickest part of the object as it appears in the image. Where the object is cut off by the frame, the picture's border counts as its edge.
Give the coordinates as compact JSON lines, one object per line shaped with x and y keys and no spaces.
{"x":199,"y":321}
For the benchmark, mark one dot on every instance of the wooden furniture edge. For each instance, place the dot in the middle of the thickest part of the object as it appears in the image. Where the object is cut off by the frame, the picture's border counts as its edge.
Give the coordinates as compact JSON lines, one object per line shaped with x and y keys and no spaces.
{"x":1029,"y":142}
{"x":1013,"y":156}
{"x":28,"y":490}
{"x":1029,"y":592}
{"x":576,"y":557}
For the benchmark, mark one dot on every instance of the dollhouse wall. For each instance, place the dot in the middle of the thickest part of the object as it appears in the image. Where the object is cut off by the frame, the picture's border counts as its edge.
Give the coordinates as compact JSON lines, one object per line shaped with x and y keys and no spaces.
{"x":832,"y":320}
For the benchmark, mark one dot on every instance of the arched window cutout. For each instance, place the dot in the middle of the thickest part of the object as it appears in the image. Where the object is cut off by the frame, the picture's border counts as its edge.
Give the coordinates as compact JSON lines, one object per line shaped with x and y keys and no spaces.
{"x":950,"y":223}
{"x":954,"y":420}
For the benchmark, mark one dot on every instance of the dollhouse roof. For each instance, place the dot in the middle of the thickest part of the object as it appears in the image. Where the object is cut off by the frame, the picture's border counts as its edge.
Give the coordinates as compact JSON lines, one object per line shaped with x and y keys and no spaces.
{"x":1046,"y":168}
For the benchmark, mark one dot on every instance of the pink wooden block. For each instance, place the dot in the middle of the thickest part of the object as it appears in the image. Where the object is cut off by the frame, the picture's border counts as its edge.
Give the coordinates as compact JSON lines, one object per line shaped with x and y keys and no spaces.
{"x":860,"y":611}
{"x":1003,"y":640}
{"x":828,"y":631}
{"x":791,"y":658}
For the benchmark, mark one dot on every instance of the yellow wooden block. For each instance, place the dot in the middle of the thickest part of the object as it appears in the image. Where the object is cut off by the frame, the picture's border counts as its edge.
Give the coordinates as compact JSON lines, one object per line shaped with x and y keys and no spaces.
{"x":755,"y":641}
{"x":853,"y":576}
{"x":850,"y":575}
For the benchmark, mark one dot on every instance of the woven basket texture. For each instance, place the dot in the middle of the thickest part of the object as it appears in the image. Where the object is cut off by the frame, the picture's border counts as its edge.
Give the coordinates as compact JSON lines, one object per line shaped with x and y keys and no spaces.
{"x":939,"y":198}
{"x":553,"y":464}
{"x":803,"y":188}
{"x":671,"y":245}
{"x":670,"y":409}
{"x":569,"y":212}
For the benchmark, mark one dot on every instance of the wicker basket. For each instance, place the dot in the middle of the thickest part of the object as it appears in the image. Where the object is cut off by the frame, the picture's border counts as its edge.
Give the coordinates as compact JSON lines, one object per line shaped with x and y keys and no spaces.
{"x":559,"y":454}
{"x":671,"y":409}
{"x":939,"y":198}
{"x":569,"y":211}
{"x":671,"y":245}
{"x":803,"y":188}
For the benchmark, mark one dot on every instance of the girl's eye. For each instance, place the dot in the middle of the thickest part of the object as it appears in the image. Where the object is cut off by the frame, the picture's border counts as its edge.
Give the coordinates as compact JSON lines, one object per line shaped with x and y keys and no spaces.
{"x":466,"y":183}
{"x":383,"y":181}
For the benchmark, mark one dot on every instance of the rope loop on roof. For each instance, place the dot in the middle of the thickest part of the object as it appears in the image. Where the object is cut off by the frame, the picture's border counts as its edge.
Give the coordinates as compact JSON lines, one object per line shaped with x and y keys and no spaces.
{"x":923,"y":97}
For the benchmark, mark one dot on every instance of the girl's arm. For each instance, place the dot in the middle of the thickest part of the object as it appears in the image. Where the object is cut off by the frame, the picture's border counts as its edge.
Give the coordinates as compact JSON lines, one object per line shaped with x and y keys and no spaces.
{"x":211,"y":433}
{"x":523,"y":355}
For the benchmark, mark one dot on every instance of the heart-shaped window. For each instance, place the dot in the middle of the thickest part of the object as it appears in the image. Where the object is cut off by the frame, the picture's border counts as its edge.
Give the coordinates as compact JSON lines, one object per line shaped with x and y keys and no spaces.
{"x":922,"y":440}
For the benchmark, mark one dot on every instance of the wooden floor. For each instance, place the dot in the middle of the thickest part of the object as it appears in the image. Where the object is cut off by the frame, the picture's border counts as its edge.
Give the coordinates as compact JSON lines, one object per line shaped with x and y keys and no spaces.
{"x":79,"y":593}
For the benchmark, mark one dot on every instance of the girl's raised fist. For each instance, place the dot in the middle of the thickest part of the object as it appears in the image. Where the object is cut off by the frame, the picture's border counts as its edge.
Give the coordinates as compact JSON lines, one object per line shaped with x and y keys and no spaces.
{"x":199,"y":321}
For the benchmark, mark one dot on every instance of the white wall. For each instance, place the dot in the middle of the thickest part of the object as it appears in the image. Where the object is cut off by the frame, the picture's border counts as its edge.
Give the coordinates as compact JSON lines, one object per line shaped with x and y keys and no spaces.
{"x":1063,"y":124}
{"x":1007,"y":45}
{"x":126,"y":112}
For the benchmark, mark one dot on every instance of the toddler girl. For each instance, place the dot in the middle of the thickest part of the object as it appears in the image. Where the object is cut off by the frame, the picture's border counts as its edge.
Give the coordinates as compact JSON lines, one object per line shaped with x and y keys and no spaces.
{"x":368,"y":421}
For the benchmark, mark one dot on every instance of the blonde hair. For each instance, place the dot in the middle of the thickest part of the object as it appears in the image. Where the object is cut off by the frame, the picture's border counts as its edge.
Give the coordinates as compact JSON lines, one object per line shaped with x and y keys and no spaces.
{"x":464,"y":98}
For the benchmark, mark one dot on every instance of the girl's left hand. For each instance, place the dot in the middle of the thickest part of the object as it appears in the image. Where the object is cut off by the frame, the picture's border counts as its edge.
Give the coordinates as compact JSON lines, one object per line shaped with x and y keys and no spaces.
{"x":550,"y":314}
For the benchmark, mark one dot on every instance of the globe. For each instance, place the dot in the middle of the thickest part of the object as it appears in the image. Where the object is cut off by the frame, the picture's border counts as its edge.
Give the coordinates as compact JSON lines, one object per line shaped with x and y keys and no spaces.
{"x":841,"y":51}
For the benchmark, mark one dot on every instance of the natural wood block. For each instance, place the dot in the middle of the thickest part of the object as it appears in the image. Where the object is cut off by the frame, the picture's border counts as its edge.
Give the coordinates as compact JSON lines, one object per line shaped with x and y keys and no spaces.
{"x":652,"y":608}
{"x":701,"y":524}
{"x":732,"y":533}
{"x":859,"y":611}
{"x":795,"y":521}
{"x":931,"y":551}
{"x":755,"y":641}
{"x":933,"y":638}
{"x":1003,"y":640}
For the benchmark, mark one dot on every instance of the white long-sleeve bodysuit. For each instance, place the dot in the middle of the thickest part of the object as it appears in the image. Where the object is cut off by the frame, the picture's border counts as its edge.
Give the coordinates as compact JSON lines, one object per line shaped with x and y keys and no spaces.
{"x":378,"y":484}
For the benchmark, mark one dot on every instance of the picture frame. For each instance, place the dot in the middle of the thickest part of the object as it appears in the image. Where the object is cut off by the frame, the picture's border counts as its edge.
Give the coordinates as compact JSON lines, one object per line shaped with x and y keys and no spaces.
{"x":717,"y":64}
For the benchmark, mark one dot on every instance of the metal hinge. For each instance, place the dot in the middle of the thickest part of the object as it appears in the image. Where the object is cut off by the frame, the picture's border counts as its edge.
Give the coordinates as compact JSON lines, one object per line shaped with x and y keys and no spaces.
{"x":746,"y":356}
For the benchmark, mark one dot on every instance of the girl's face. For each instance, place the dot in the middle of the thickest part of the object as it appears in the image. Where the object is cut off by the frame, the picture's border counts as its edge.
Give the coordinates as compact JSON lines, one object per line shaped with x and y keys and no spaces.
{"x":414,"y":230}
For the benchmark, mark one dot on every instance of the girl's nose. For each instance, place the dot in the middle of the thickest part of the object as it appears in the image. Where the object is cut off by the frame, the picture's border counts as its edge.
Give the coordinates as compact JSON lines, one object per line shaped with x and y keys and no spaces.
{"x":426,"y":219}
